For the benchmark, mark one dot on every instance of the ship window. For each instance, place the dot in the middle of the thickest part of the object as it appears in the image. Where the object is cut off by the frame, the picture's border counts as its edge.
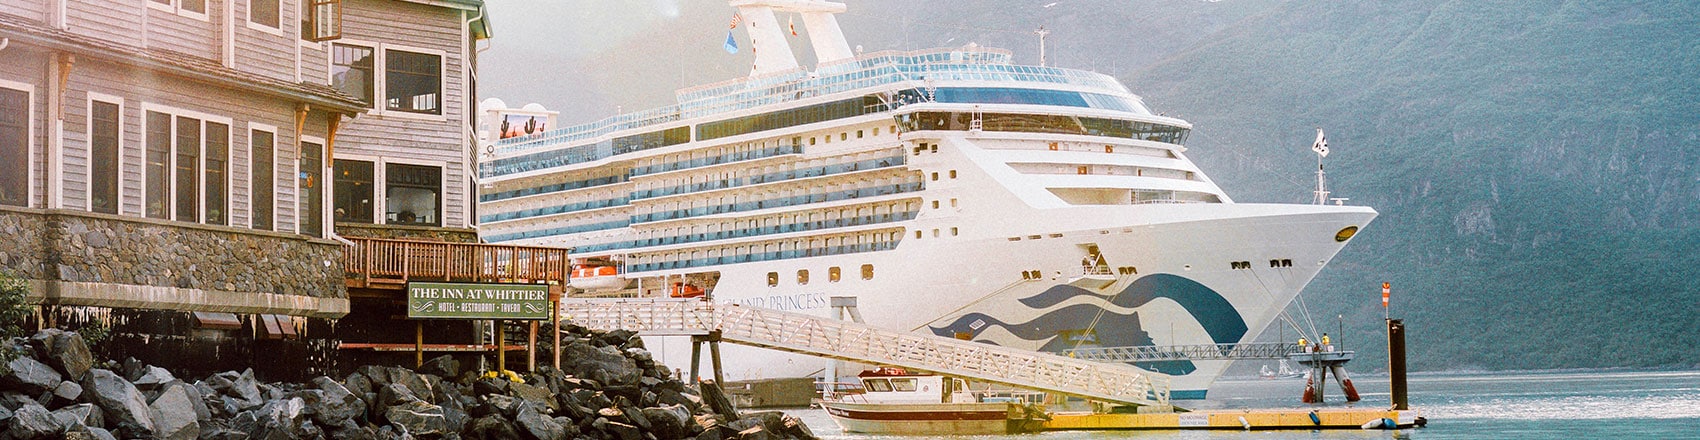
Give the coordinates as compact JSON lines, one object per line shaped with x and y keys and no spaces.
{"x":867,"y":271}
{"x":933,"y":148}
{"x":953,"y":231}
{"x":772,"y":279}
{"x":953,"y":202}
{"x":1083,"y":169}
{"x":953,"y":174}
{"x":833,"y":274}
{"x":935,"y":204}
{"x":935,"y":176}
{"x":876,"y":131}
{"x":811,"y":140}
{"x":858,"y":134}
{"x":917,"y":234}
{"x":797,"y":140}
{"x":802,"y":276}
{"x":1109,"y":148}
{"x":935,"y":231}
{"x":878,"y":385}
{"x":904,"y":384}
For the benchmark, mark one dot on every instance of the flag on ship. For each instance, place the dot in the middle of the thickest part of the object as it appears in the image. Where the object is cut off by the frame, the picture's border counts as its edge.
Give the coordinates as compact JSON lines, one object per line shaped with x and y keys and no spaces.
{"x":731,"y":43}
{"x":1321,"y":144}
{"x":735,"y":19}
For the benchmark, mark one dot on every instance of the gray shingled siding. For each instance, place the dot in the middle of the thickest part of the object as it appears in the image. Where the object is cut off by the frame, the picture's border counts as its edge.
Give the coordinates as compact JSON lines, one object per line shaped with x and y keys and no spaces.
{"x":262,"y":52}
{"x":108,"y":20}
{"x":412,"y":26}
{"x":172,"y":31}
{"x":33,"y":9}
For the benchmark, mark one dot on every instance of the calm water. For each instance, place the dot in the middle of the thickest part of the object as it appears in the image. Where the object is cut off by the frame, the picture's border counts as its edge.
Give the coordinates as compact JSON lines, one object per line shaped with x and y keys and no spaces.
{"x":1656,"y":405}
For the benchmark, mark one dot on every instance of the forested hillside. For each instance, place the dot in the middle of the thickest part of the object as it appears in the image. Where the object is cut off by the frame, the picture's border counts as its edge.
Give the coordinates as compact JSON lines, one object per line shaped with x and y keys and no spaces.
{"x":1536,"y":164}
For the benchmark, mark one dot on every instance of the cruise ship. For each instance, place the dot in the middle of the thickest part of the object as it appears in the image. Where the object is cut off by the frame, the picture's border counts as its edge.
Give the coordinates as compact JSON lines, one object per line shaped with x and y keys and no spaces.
{"x":948,"y":191}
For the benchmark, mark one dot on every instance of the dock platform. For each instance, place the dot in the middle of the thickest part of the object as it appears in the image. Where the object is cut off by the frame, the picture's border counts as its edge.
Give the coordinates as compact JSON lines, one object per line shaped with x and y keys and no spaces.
{"x":1252,"y":419}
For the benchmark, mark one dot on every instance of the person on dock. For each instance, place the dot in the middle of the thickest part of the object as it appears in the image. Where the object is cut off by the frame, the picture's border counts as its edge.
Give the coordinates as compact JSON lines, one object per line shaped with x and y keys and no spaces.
{"x":1302,"y":343}
{"x":1326,"y":345}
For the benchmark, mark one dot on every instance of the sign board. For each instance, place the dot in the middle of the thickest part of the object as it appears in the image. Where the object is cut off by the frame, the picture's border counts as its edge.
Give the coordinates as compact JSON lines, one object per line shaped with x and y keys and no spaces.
{"x":478,"y":301}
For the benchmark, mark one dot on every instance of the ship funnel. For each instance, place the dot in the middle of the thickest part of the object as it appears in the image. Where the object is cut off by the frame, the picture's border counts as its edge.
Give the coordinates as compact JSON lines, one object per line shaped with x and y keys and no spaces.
{"x":767,"y":36}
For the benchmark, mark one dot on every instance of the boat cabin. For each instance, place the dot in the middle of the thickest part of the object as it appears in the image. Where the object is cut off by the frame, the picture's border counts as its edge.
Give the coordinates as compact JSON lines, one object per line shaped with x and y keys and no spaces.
{"x":896,"y":385}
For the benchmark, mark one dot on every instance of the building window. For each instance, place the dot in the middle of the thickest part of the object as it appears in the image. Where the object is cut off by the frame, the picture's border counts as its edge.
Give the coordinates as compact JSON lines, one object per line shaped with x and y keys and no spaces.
{"x":158,"y":168}
{"x":187,"y":168}
{"x":103,"y":160}
{"x":353,"y":191}
{"x":353,"y":70}
{"x":217,"y":180}
{"x":321,"y":20}
{"x":833,"y":274}
{"x":413,"y":82}
{"x":772,"y":279}
{"x":194,"y":8}
{"x":867,"y":271}
{"x":413,"y":195}
{"x":262,"y":175}
{"x":802,"y":276}
{"x":265,"y":13}
{"x":14,"y":147}
{"x":312,"y":203}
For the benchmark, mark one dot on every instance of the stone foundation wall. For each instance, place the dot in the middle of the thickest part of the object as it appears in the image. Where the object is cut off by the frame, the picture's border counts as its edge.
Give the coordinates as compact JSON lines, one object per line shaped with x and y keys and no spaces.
{"x":420,"y":233}
{"x":82,"y":247}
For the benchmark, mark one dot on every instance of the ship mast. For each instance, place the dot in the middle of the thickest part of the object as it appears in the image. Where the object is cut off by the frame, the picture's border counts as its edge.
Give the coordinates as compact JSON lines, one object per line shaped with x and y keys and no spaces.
{"x":1321,"y":149}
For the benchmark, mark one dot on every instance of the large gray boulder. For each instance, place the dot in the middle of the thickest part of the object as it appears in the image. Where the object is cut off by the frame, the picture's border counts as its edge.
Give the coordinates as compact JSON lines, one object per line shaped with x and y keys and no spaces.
{"x":418,"y":418}
{"x":32,"y":422}
{"x":65,"y":394}
{"x":334,"y":403}
{"x":65,"y":351}
{"x":30,"y":377}
{"x":174,"y":415}
{"x":442,"y":366}
{"x":538,"y":426}
{"x":152,"y":378}
{"x":603,"y":364}
{"x":85,"y":414}
{"x":669,"y":421}
{"x":127,"y":413}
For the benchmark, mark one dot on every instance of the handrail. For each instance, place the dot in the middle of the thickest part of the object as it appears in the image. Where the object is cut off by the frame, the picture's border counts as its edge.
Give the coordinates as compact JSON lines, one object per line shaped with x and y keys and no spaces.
{"x":1150,"y":353}
{"x":835,"y":339}
{"x":369,"y":260}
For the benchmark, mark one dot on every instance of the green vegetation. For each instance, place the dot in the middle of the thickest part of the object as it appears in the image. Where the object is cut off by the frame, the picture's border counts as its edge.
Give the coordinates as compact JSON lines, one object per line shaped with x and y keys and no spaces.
{"x":14,"y":310}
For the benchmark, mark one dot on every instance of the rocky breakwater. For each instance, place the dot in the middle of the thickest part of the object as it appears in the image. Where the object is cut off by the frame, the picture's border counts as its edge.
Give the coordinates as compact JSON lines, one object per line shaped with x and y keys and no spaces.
{"x":609,"y":388}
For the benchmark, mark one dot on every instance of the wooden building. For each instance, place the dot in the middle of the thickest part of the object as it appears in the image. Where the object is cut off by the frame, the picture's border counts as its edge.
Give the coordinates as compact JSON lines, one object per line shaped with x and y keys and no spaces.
{"x":167,"y":166}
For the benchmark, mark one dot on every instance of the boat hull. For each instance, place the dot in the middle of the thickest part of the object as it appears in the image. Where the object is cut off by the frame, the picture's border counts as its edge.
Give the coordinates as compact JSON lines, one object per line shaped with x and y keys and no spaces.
{"x":928,"y":418}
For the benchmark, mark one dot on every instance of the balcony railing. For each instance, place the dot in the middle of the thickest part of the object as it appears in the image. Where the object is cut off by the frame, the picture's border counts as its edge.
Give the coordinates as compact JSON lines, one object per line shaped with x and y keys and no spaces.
{"x":380,"y":263}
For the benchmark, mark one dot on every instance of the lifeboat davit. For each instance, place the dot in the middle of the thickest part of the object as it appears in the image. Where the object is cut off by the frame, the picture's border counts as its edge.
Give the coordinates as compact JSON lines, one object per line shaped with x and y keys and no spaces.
{"x":596,"y":278}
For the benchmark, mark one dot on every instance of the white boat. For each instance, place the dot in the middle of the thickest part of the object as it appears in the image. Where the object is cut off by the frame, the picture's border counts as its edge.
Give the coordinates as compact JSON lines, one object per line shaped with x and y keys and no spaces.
{"x":893,"y":401}
{"x":949,"y":191}
{"x":1286,"y":371}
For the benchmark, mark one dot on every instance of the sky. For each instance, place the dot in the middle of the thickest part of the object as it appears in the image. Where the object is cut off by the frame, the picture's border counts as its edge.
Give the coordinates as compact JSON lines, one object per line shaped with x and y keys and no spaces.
{"x":593,"y":59}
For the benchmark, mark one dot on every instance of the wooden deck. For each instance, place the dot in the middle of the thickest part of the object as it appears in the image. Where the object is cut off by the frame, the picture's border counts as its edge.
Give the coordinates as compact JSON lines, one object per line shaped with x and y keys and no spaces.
{"x":373,"y":263}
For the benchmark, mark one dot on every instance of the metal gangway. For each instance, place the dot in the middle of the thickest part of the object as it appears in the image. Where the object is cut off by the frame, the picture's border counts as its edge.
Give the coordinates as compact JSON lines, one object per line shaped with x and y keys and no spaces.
{"x":1151,"y":353}
{"x":849,"y":341}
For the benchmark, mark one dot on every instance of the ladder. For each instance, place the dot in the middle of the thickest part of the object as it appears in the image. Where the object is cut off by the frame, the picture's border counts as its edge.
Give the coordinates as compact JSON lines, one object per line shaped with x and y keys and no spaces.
{"x":1149,"y":353}
{"x":834,"y":339}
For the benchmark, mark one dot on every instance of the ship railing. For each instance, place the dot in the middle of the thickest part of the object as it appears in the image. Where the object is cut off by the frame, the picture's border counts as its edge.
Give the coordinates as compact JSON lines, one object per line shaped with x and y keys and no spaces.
{"x":1153,"y":353}
{"x":835,"y":339}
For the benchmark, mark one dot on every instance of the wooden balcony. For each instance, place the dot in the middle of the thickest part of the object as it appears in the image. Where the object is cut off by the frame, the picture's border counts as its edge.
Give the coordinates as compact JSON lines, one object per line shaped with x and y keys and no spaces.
{"x":373,"y":263}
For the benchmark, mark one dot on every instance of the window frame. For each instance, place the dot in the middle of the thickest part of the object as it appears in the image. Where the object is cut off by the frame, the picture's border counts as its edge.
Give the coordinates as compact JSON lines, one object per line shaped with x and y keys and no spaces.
{"x":380,"y":78}
{"x":310,"y":23}
{"x":325,"y":224}
{"x":175,"y":113}
{"x":176,"y":7}
{"x":118,"y":178}
{"x":229,"y":172}
{"x":262,"y":27}
{"x":29,"y":137}
{"x":377,"y":184}
{"x":272,"y":129}
{"x":380,"y":209}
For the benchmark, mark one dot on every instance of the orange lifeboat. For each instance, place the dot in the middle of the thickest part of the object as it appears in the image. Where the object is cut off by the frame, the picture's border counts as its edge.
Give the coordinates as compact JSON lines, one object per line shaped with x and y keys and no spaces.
{"x":682,"y":290}
{"x":596,"y":277}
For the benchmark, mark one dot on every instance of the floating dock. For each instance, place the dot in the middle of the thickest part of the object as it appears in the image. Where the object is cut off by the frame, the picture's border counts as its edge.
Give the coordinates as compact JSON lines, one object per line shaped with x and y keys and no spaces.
{"x":1246,"y":419}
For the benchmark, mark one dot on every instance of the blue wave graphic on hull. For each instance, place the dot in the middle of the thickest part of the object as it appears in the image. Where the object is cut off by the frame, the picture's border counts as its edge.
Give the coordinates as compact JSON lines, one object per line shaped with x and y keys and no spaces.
{"x":1213,"y":312}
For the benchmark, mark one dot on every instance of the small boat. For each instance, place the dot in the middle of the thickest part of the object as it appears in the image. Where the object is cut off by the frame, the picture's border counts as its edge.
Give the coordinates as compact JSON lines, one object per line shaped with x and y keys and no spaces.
{"x":1286,"y":372}
{"x":895,"y":401}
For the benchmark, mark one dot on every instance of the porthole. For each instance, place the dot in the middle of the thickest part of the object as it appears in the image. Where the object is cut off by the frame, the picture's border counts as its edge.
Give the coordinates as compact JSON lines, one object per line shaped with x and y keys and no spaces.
{"x":1345,"y":233}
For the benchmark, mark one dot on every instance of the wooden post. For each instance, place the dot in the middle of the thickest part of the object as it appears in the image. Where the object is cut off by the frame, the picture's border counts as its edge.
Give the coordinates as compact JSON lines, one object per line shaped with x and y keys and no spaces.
{"x":531,"y":348}
{"x":501,"y":352}
{"x":418,"y":344}
{"x":556,"y":319}
{"x":696,"y":359}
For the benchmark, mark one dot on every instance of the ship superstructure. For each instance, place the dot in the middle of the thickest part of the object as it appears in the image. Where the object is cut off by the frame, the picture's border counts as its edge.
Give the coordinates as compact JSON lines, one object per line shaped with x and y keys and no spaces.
{"x":950,"y":191}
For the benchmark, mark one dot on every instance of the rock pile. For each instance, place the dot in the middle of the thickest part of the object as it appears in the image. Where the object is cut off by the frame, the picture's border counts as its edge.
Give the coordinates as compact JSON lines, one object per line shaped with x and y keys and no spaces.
{"x":609,"y":388}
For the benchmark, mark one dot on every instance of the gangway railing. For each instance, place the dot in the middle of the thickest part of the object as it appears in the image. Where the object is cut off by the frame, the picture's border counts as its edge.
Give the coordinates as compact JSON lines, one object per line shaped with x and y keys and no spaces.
{"x":1149,"y":353}
{"x":842,"y":340}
